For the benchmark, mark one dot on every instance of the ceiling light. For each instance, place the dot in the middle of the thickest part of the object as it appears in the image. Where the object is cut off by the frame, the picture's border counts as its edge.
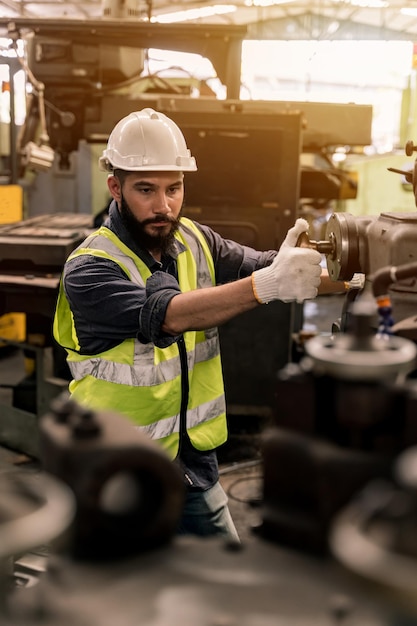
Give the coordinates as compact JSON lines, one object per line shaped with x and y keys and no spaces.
{"x":411,"y":11}
{"x":366,"y":4}
{"x":194,"y":14}
{"x":265,"y":3}
{"x":333,"y":27}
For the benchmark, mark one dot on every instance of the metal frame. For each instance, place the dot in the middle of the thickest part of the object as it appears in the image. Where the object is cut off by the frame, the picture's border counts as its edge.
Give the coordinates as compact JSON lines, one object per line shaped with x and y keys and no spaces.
{"x":19,"y":428}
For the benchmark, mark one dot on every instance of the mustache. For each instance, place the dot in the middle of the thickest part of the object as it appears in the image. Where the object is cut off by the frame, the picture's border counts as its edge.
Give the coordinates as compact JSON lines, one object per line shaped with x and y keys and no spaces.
{"x":159,"y":219}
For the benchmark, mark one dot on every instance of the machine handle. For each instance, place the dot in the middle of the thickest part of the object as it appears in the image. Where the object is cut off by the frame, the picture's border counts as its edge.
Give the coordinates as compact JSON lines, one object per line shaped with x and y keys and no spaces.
{"x":410,"y":148}
{"x":408,"y":175}
{"x":324,"y":246}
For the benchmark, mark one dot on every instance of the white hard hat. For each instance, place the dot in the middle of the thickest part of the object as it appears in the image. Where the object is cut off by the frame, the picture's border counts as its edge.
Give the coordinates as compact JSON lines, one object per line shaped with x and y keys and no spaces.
{"x":147,"y":141}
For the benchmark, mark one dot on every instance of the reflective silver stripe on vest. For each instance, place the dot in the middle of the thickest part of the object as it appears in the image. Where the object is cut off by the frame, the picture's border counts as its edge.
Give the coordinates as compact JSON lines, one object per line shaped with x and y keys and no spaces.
{"x":100,"y":242}
{"x":143,"y":372}
{"x":170,"y":425}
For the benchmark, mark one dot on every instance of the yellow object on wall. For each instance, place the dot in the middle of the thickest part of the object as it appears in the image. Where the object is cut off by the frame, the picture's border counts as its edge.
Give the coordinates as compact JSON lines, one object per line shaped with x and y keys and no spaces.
{"x":12,"y":325}
{"x":11,"y":204}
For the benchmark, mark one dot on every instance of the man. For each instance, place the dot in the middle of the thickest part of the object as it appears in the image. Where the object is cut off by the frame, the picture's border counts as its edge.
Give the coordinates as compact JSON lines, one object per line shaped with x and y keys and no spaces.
{"x":141,"y":300}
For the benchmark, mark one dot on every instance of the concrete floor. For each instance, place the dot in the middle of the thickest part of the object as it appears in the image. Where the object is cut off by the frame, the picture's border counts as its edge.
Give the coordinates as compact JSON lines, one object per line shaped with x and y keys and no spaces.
{"x":243,"y":483}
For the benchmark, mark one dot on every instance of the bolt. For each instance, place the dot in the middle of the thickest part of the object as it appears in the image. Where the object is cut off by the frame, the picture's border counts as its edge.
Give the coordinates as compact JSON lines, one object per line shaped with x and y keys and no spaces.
{"x":85,"y":426}
{"x":62,"y":409}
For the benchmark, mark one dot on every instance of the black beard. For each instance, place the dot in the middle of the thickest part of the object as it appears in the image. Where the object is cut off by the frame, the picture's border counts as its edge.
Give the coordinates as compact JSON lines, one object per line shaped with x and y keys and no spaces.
{"x":137,"y":229}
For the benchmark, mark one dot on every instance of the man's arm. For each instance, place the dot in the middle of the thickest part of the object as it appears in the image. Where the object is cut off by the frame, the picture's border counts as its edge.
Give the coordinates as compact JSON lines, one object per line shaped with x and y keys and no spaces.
{"x":294,"y":274}
{"x":212,"y":306}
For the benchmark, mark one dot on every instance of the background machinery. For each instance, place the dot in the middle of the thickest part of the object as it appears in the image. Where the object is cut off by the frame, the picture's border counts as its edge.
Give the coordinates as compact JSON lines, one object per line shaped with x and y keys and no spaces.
{"x":83,"y":78}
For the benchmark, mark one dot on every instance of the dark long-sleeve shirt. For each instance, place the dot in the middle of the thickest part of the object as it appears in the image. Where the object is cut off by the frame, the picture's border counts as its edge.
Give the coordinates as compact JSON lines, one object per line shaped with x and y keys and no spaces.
{"x":109,"y":308}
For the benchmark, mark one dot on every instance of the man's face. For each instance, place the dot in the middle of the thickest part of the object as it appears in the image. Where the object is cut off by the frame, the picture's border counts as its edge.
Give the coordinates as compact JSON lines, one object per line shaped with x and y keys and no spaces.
{"x":150,"y":204}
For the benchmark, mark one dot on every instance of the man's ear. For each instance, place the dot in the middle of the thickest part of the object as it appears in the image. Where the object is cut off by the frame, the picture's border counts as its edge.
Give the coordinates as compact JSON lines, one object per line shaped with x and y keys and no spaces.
{"x":113,"y":183}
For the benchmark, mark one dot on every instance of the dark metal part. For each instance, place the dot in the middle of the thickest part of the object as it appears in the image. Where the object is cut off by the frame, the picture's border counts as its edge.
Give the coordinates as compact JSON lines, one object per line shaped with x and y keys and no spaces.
{"x":11,"y":172}
{"x":235,"y":143}
{"x":345,"y":245}
{"x":360,"y":354}
{"x":306,"y":481}
{"x":354,"y":414}
{"x":129,"y":493}
{"x":374,"y":535}
{"x":31,"y":398}
{"x":323,"y":124}
{"x":391,"y":240}
{"x":32,"y":255}
{"x":324,"y":247}
{"x":220,"y":43}
{"x":40,"y":245}
{"x":34,"y":510}
{"x":342,"y":231}
{"x":200,"y":583}
{"x":385,"y":277}
{"x":369,"y":245}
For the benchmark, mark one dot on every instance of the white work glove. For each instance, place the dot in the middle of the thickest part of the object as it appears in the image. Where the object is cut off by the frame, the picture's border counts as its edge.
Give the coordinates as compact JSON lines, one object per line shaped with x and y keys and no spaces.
{"x":356,"y":282}
{"x":294,"y":273}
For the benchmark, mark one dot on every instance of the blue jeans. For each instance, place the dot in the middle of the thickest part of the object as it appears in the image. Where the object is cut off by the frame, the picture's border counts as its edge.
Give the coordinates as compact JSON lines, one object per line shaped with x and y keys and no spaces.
{"x":206,"y":513}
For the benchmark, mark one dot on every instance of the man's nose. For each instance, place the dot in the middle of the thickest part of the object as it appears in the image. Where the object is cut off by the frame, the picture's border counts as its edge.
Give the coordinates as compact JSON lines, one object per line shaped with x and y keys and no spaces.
{"x":162,"y":204}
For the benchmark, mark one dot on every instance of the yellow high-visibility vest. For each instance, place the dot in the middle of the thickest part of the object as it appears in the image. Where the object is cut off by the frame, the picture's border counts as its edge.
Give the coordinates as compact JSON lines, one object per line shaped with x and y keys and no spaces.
{"x":140,"y":380}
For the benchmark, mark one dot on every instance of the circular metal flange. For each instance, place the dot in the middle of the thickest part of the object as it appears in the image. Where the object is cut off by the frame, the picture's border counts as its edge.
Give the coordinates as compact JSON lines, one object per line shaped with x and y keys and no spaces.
{"x":353,"y":543}
{"x":343,"y":261}
{"x":406,"y":469}
{"x":338,"y":356}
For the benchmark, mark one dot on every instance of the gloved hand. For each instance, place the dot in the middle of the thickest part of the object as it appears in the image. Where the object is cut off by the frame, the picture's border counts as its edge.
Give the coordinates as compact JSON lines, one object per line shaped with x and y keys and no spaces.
{"x":294,"y":273}
{"x":356,"y":282}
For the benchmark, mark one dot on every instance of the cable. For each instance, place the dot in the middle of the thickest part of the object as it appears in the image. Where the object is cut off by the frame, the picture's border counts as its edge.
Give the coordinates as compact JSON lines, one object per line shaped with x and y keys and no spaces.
{"x":249,"y":501}
{"x":235,"y":467}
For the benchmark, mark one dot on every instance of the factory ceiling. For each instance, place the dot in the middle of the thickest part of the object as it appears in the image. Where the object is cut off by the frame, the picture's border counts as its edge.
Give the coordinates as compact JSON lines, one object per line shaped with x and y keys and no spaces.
{"x":263,"y":19}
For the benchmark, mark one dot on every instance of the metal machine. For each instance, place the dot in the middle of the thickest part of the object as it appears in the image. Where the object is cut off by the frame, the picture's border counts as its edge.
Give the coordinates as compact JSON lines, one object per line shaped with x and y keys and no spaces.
{"x":369,"y":245}
{"x":108,"y":487}
{"x":352,"y":428}
{"x":32,"y":254}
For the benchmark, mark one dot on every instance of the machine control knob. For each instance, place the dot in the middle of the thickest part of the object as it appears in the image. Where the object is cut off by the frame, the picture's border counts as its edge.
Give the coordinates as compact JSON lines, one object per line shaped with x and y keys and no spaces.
{"x":410,"y":148}
{"x":324,"y":247}
{"x":340,"y":246}
{"x":342,"y":231}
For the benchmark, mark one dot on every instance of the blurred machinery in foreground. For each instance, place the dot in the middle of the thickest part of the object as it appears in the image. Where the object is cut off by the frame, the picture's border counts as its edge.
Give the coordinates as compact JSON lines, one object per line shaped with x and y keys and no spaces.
{"x":343,"y":415}
{"x":345,"y":412}
{"x":375,"y":534}
{"x":340,"y":461}
{"x":115,"y":558}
